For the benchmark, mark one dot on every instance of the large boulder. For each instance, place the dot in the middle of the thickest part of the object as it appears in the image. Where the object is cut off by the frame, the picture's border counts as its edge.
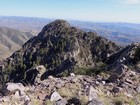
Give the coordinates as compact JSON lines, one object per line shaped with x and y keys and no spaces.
{"x":93,"y":93}
{"x":11,"y":88}
{"x":55,"y":96}
{"x":138,"y":89}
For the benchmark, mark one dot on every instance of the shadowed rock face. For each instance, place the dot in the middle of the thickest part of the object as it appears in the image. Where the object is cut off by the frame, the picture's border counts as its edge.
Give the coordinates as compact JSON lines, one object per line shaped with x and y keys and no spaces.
{"x":60,"y":48}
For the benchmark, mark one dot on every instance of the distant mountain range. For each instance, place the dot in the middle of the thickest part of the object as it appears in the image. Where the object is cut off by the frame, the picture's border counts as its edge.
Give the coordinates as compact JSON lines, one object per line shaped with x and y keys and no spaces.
{"x":121,"y":33}
{"x":11,"y":40}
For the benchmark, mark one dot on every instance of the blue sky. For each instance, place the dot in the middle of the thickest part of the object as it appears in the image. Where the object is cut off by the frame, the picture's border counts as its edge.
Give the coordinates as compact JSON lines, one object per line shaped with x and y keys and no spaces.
{"x":87,"y":10}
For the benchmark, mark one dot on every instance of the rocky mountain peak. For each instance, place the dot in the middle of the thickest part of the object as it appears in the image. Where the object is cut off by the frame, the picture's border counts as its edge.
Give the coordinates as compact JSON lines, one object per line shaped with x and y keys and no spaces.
{"x":57,"y":24}
{"x":61,"y":49}
{"x":54,"y":28}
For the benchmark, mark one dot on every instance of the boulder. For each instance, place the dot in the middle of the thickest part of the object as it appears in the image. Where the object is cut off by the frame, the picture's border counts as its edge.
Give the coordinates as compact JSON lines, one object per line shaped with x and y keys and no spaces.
{"x":138,"y":89}
{"x":74,"y":80}
{"x":27,"y":100}
{"x":72,"y":74}
{"x":55,"y":96}
{"x":17,"y":95}
{"x":63,"y":101}
{"x":11,"y":88}
{"x":103,"y":82}
{"x":128,"y":95}
{"x":93,"y":94}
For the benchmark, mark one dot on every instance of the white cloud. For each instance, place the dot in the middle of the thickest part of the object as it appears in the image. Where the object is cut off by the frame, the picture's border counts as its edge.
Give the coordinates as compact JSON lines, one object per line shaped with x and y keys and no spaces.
{"x":131,"y":1}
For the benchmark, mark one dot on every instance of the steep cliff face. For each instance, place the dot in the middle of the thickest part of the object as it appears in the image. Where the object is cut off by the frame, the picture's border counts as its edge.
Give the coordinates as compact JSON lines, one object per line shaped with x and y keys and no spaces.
{"x":60,"y":48}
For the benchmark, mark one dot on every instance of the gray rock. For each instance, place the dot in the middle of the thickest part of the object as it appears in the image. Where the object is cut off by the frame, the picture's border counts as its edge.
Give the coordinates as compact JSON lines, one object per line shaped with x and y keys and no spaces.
{"x":63,"y":101}
{"x":25,"y":98}
{"x":5,"y":99}
{"x":72,"y":74}
{"x":11,"y":88}
{"x":132,"y":73}
{"x":129,"y":81}
{"x":55,"y":96}
{"x":88,"y":79}
{"x":27,"y":103}
{"x":58,"y":85}
{"x":17,"y":95}
{"x":42,"y":96}
{"x":138,"y":89}
{"x":92,"y":94}
{"x":97,"y":83}
{"x":103,"y":82}
{"x":95,"y":102}
{"x":73,"y":80}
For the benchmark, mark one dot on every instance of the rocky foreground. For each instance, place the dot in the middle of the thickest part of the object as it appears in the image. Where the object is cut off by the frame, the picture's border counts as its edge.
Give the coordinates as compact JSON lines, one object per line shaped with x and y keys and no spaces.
{"x":119,"y":88}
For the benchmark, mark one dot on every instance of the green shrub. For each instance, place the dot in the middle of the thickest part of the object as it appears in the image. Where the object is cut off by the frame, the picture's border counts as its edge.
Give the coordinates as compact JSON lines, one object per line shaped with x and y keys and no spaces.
{"x":92,"y":71}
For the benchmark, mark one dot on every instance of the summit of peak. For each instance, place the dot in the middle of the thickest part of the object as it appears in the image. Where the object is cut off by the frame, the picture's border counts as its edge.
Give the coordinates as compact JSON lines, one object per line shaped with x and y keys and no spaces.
{"x":61,"y":22}
{"x":57,"y":24}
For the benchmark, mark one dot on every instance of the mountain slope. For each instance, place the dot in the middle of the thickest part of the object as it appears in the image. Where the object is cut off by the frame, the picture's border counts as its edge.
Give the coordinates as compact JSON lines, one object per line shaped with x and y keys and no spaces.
{"x":61,"y":49}
{"x":11,"y":40}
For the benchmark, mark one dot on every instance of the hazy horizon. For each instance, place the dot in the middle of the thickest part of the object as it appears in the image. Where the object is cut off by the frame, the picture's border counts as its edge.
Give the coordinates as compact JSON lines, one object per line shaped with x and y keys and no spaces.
{"x":83,"y":10}
{"x":77,"y":20}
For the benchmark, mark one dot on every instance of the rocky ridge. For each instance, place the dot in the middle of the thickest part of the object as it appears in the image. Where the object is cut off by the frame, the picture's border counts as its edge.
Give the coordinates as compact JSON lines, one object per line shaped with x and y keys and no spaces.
{"x":61,"y":49}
